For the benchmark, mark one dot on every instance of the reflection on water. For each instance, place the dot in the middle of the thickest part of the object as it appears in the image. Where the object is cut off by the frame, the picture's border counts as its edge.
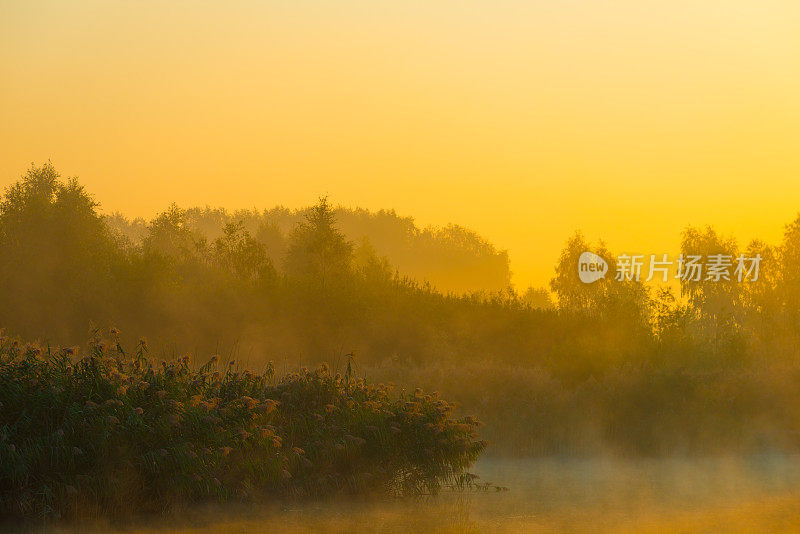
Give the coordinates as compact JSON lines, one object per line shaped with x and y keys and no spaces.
{"x":684,"y":495}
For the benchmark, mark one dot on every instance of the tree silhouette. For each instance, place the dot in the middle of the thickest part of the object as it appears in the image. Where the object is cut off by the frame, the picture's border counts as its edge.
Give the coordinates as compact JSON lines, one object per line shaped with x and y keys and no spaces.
{"x":317,"y":250}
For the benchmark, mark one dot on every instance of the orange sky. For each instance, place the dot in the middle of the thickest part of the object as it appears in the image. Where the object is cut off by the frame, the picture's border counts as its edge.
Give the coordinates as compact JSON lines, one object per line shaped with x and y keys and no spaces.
{"x":522,"y":119}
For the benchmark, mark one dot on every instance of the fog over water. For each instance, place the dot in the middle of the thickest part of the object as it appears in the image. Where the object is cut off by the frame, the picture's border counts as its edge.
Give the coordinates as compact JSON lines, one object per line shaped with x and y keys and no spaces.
{"x":745,"y":494}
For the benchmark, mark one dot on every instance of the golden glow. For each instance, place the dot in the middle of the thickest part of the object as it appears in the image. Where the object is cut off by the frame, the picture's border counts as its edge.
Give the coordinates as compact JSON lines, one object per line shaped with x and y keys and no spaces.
{"x":524,"y":120}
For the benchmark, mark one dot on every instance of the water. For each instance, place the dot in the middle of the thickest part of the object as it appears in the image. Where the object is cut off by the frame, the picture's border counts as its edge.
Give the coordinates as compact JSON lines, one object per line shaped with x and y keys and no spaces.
{"x":550,"y":495}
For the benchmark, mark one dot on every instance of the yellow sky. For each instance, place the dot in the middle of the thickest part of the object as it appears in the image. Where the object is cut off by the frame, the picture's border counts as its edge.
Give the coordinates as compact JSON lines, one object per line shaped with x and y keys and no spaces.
{"x":523,"y":119}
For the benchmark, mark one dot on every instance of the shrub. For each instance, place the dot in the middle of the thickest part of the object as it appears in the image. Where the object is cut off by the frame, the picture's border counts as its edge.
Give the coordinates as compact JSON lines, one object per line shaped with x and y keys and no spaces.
{"x":108,"y":434}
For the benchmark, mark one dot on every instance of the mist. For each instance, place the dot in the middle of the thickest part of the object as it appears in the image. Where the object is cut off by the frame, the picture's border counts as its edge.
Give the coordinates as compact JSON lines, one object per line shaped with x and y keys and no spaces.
{"x":620,"y":399}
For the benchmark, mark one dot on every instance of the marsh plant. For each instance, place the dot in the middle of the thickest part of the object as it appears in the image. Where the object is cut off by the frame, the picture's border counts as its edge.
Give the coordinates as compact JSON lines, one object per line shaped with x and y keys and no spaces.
{"x":110,"y":433}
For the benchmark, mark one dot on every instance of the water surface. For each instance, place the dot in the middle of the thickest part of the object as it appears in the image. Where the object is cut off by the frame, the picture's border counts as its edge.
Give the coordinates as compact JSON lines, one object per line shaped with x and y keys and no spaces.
{"x":550,"y":495}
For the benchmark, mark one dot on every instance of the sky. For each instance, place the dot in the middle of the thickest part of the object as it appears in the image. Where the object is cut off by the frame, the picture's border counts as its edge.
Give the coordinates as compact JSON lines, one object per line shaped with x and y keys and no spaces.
{"x":524,"y":120}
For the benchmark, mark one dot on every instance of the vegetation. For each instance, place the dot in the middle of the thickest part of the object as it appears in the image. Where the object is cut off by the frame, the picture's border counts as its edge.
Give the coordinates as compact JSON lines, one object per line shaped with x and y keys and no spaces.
{"x":613,"y":366}
{"x":108,"y":434}
{"x":452,"y":258}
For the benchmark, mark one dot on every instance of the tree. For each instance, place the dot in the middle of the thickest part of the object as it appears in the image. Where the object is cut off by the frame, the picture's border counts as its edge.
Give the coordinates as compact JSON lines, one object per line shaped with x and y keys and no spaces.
{"x":317,"y":250}
{"x":604,"y":296}
{"x":55,"y":250}
{"x":169,"y":236}
{"x":716,"y":300}
{"x":789,"y":270}
{"x":370,"y":264}
{"x":239,"y":253}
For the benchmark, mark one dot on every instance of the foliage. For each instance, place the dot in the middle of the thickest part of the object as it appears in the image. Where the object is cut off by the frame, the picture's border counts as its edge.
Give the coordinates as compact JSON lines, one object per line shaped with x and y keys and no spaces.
{"x":309,"y":285}
{"x":109,"y":434}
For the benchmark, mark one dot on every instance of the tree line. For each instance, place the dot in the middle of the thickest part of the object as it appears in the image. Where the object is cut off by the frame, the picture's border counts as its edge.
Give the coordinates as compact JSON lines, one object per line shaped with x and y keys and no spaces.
{"x":544,"y":369}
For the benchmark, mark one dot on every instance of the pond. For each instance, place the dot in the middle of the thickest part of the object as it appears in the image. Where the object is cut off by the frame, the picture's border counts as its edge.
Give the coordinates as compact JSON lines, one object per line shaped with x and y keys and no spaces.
{"x":760,"y":493}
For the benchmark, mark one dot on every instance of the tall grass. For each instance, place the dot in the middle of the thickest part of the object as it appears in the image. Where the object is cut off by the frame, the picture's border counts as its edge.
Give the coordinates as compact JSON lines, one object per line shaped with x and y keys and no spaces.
{"x":111,"y":433}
